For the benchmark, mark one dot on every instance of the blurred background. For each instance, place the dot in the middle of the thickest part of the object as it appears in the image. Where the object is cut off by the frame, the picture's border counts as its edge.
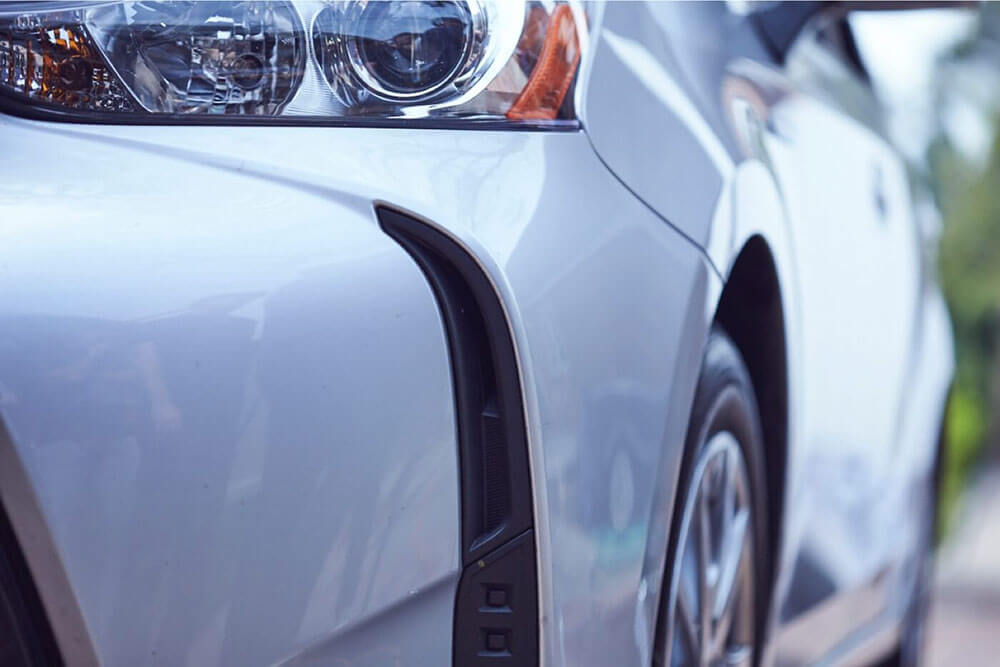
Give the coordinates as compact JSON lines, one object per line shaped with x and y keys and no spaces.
{"x":938,"y":72}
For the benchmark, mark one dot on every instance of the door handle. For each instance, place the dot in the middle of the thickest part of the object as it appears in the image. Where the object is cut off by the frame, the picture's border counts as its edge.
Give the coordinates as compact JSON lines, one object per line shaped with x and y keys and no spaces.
{"x":879,"y":198}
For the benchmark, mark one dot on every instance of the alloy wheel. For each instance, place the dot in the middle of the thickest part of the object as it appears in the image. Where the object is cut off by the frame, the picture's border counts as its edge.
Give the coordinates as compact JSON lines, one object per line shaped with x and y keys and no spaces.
{"x":711,"y":600}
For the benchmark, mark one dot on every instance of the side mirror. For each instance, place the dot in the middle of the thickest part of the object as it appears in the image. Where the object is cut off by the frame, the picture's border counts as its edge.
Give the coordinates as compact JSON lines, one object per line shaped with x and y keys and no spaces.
{"x":780,"y":23}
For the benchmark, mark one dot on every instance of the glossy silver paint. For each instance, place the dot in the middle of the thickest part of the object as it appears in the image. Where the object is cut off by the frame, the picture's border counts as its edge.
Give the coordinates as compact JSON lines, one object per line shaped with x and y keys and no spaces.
{"x":227,"y":392}
{"x":795,"y":154}
{"x":199,"y":368}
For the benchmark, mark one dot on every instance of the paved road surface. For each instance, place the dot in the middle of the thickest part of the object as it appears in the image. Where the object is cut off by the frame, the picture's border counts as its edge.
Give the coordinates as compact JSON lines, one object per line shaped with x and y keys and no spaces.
{"x":965,"y":616}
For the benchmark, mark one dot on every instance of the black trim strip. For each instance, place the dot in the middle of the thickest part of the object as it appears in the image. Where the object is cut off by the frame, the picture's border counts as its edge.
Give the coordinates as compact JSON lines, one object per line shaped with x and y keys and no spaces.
{"x":496,"y":607}
{"x":493,"y":447}
{"x":46,"y":112}
{"x":26,"y":639}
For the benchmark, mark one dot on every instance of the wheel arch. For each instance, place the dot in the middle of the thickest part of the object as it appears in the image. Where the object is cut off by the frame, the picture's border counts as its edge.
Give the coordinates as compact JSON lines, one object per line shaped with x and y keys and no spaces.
{"x":750,"y":311}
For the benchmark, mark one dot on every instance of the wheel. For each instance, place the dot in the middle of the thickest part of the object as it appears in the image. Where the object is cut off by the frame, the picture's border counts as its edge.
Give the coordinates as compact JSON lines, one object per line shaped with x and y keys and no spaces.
{"x":716,"y":580}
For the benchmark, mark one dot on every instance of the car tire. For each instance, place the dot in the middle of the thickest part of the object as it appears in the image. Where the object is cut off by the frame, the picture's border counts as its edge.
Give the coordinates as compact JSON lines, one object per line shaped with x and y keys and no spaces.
{"x":715,"y":589}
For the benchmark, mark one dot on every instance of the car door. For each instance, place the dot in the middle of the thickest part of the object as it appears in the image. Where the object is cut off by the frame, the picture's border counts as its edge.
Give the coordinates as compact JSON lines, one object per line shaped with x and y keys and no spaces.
{"x":858,"y":276}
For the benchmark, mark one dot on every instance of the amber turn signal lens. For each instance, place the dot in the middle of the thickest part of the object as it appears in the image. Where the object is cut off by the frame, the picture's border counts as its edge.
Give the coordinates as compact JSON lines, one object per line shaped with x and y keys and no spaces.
{"x":553,"y":75}
{"x":57,"y":64}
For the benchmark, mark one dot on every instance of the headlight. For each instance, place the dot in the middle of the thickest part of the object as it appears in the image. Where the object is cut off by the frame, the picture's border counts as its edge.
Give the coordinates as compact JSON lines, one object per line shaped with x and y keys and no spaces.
{"x":256,"y":61}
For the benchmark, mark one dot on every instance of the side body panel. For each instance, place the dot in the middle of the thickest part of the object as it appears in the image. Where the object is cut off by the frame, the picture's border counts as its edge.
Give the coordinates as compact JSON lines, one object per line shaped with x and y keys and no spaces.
{"x":608,"y":306}
{"x":857,"y":252}
{"x":726,"y":145}
{"x":231,"y":396}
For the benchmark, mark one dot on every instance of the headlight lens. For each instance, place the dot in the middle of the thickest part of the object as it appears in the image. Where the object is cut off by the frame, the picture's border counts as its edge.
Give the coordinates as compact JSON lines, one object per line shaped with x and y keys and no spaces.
{"x":203,"y":57}
{"x":399,"y":50}
{"x":356,"y":61}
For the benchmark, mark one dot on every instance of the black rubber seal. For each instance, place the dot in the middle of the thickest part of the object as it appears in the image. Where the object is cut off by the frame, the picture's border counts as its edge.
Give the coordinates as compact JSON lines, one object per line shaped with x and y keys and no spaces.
{"x":34,"y":110}
{"x":26,"y":639}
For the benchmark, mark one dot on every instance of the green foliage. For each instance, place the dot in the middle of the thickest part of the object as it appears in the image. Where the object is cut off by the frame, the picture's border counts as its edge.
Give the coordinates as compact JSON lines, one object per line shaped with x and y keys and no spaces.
{"x":969,"y":263}
{"x":965,"y":434}
{"x":970,"y":256}
{"x":969,"y":260}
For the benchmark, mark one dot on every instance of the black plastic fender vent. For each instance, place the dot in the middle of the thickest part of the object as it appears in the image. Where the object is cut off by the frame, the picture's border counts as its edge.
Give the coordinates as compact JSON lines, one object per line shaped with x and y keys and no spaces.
{"x":496,"y":610}
{"x":26,"y":639}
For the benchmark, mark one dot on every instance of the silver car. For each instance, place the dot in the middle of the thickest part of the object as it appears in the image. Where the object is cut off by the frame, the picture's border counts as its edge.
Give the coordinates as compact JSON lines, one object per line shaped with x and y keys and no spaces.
{"x":482,"y":332}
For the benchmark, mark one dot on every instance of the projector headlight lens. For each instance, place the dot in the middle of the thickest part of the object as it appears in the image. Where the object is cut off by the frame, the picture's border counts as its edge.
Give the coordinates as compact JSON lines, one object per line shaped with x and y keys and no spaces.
{"x":405,"y":50}
{"x":348,"y":61}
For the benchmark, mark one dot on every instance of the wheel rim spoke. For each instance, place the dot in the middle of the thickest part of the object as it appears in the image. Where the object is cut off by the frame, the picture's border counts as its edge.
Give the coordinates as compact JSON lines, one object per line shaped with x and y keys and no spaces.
{"x":706,"y":585}
{"x":724,"y":628}
{"x":739,"y":657}
{"x":733,"y":553}
{"x":686,"y":610}
{"x":713,"y":588}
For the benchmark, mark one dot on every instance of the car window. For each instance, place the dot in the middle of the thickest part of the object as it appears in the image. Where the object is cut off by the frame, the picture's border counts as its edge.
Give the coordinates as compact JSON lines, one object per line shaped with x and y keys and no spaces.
{"x":837,"y":37}
{"x":901,"y":51}
{"x":825,"y":61}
